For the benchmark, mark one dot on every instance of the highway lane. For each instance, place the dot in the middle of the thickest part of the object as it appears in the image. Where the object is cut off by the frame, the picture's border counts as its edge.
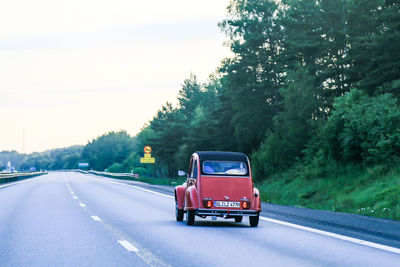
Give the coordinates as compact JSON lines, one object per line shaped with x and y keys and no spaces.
{"x":42,"y":225}
{"x":71,"y":219}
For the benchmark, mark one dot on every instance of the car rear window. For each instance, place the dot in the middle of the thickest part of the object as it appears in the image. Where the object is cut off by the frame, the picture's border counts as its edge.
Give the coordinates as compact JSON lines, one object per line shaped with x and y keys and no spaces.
{"x":224,"y":168}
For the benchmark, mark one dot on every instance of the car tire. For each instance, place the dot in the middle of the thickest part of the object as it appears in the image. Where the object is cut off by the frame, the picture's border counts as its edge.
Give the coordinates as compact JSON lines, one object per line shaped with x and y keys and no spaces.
{"x":178,"y":213}
{"x":254,"y":220}
{"x":238,"y":219}
{"x":190,"y":217}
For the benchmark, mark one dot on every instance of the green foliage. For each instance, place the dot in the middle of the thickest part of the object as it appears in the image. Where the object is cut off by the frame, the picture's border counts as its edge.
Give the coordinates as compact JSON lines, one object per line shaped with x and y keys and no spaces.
{"x":131,"y":164}
{"x":65,"y":158}
{"x":315,"y":39}
{"x":267,"y":159}
{"x":13,"y":156}
{"x":107,"y":149}
{"x":115,"y":167}
{"x":189,"y":96}
{"x":55,"y":159}
{"x":350,"y":188}
{"x":272,"y":99}
{"x":168,"y":128}
{"x":363,"y":128}
{"x":41,"y":161}
{"x":175,"y":133}
{"x":251,"y":79}
{"x":373,"y":28}
{"x":292,"y":128}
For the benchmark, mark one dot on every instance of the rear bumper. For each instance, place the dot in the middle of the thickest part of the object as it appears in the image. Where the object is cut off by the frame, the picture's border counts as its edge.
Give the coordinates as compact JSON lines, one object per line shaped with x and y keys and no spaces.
{"x":223,"y":213}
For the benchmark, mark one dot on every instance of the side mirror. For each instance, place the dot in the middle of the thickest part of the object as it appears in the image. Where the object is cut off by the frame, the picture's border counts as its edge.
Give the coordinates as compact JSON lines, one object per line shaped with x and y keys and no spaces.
{"x":181,"y":173}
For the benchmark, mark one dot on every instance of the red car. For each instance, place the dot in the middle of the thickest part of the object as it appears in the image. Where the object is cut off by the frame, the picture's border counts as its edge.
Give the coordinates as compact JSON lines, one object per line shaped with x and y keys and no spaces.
{"x":218,"y":184}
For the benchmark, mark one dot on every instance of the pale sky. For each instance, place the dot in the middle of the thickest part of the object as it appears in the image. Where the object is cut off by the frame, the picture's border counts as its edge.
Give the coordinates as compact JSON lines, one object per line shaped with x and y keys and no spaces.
{"x":71,"y":70}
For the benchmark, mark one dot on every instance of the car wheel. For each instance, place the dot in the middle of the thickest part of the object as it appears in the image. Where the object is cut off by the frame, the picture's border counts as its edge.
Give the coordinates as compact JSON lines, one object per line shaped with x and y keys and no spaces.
{"x":178,"y":213}
{"x":190,"y":217}
{"x":254,"y":220}
{"x":238,"y":219}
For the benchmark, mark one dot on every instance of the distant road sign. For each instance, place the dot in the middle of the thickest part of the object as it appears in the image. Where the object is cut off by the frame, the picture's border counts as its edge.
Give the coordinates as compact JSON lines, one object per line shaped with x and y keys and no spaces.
{"x":147,"y":156}
{"x":147,"y":160}
{"x":83,"y":164}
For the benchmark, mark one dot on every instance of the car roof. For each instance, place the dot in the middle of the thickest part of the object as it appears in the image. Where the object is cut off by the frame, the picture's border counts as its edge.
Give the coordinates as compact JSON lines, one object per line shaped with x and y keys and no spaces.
{"x":221,"y":155}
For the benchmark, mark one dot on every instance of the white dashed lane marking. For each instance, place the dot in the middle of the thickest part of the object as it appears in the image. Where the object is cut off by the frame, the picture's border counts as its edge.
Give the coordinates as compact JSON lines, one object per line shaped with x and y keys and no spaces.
{"x":96,"y":218}
{"x":128,"y":246}
{"x":82,"y":205}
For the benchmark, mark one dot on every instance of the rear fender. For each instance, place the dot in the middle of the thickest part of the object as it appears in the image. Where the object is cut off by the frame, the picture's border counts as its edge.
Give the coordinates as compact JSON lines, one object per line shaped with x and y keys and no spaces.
{"x":180,"y":196}
{"x":191,"y":198}
{"x":256,"y":205}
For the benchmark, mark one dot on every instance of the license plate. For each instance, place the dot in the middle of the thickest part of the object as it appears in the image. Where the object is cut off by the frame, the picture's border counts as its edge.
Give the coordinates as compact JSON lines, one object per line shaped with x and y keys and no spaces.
{"x":226,"y":204}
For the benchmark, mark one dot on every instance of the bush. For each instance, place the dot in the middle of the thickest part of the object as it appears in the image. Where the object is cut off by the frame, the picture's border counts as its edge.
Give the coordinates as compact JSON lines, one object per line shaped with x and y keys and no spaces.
{"x":363,"y":128}
{"x":142,"y":171}
{"x":116,"y":167}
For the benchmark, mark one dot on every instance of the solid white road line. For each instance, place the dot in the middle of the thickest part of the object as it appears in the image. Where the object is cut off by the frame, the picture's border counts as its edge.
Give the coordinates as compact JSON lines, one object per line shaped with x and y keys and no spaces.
{"x":128,"y":246}
{"x":143,"y":189}
{"x":292,"y":225}
{"x":1,"y":186}
{"x":82,"y":205}
{"x":337,"y":236}
{"x":96,"y":218}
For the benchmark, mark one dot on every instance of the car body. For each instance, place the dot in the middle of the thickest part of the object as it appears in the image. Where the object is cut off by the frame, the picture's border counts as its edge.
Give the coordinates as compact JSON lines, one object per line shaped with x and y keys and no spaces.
{"x":218,"y":184}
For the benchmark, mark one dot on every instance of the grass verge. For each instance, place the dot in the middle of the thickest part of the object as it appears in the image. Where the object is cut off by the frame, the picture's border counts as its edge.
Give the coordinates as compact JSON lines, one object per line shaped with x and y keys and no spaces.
{"x":373,"y":191}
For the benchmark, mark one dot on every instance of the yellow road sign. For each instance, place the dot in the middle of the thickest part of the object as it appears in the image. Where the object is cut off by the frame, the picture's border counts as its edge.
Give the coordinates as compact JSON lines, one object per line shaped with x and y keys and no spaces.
{"x":147,"y":156}
{"x":147,"y":160}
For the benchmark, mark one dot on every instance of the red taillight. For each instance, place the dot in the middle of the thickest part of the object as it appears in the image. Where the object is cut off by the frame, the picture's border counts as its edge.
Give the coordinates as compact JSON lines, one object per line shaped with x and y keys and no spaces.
{"x":245,"y":204}
{"x":207,"y":202}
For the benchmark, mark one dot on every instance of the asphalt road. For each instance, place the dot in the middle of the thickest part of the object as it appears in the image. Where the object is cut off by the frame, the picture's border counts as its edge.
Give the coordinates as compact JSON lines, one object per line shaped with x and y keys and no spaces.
{"x":72,"y":219}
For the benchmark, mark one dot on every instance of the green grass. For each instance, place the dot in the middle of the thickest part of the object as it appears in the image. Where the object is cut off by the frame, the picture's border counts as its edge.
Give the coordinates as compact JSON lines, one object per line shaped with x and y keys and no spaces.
{"x":371,"y":191}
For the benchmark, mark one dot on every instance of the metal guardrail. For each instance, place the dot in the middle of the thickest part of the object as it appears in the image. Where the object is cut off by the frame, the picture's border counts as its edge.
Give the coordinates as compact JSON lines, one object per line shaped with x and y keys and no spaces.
{"x":9,"y":177}
{"x":115,"y":175}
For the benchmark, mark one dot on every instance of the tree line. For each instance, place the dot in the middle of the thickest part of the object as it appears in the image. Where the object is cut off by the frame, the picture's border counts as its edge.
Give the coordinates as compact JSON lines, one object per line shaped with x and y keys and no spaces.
{"x":54,"y":159}
{"x":312,"y":85}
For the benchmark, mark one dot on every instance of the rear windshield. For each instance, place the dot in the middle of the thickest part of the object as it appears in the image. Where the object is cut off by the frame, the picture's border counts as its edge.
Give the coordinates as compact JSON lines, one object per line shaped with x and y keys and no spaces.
{"x":224,"y":168}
